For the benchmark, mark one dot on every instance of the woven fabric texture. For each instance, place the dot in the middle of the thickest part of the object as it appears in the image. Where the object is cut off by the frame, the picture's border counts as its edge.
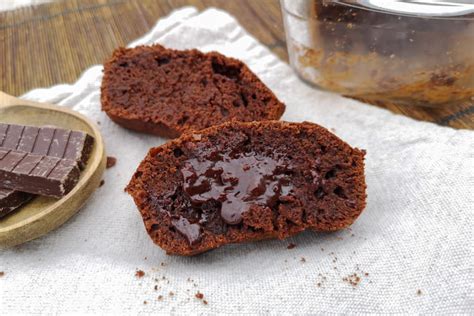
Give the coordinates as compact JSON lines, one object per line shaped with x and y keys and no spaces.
{"x":411,"y":250}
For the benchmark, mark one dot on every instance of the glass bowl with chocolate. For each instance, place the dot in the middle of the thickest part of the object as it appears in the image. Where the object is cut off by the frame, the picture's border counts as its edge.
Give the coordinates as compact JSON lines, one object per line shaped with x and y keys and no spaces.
{"x":403,"y":52}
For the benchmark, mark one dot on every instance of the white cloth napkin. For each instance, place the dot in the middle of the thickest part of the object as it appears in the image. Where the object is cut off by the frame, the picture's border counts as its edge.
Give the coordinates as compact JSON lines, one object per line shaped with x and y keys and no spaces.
{"x":412,"y":247}
{"x":7,"y":5}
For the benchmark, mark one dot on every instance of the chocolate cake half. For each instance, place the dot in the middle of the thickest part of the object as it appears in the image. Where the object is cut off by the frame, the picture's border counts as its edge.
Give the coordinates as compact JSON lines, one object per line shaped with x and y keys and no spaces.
{"x":166,"y":92}
{"x":239,"y":182}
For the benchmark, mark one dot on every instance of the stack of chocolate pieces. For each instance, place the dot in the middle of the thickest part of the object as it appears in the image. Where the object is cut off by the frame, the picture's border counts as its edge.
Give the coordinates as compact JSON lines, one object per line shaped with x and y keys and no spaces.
{"x":39,"y":161}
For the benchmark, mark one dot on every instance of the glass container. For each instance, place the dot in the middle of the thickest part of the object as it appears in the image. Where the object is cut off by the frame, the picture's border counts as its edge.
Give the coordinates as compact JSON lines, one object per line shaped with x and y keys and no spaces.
{"x":403,"y":52}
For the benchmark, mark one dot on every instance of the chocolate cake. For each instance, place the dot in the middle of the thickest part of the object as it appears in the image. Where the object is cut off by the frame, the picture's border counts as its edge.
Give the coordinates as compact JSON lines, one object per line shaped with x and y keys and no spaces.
{"x":239,"y":182}
{"x":166,"y":92}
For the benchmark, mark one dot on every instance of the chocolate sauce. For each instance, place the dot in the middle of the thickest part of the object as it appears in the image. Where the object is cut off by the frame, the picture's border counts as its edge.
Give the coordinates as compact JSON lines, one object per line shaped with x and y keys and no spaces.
{"x":191,"y":231}
{"x":236,"y":181}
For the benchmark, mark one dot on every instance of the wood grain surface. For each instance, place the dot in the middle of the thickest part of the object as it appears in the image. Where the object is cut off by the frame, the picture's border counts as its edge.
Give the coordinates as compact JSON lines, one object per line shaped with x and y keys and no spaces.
{"x":53,"y":43}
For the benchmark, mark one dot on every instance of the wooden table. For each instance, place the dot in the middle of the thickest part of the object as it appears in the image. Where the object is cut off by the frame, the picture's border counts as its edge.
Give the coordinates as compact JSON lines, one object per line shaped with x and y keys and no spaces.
{"x":53,"y":43}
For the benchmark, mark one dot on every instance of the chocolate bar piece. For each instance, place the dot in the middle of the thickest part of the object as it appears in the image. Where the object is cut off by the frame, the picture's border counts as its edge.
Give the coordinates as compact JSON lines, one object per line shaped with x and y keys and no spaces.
{"x":47,"y":141}
{"x":50,"y":141}
{"x":11,"y":200}
{"x":37,"y":174}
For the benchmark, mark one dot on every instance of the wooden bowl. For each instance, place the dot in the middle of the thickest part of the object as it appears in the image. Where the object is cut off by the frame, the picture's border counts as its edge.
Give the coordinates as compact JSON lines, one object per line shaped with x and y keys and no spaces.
{"x":43,"y":214}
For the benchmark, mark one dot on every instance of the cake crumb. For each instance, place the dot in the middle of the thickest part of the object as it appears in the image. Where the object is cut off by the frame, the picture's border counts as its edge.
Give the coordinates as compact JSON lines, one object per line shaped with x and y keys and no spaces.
{"x":145,"y":302}
{"x":163,"y":264}
{"x":156,"y":287}
{"x":366,"y":274}
{"x":199,"y":295}
{"x":101,"y":183}
{"x":204,"y":302}
{"x":160,"y":297}
{"x":2,"y":273}
{"x":418,"y":292}
{"x":303,"y":259}
{"x":111,"y":161}
{"x":291,"y":246}
{"x":171,"y":293}
{"x":319,"y":284}
{"x":139,"y":274}
{"x":352,"y":279}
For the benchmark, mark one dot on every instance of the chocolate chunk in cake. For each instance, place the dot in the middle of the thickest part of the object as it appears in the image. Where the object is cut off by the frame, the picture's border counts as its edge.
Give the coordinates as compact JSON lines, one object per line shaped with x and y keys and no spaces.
{"x":239,"y":182}
{"x":166,"y":92}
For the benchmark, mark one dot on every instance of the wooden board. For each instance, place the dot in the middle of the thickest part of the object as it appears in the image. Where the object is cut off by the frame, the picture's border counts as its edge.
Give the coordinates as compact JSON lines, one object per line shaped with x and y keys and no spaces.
{"x":44,"y":214}
{"x":53,"y":43}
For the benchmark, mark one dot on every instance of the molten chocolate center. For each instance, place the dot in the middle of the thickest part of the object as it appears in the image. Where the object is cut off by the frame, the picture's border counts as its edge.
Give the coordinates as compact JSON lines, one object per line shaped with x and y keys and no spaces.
{"x":236,"y":181}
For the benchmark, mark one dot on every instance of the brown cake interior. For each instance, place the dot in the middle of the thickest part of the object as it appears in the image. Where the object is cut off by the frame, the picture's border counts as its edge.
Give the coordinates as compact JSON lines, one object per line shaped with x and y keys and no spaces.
{"x":247,"y":181}
{"x":166,"y":92}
